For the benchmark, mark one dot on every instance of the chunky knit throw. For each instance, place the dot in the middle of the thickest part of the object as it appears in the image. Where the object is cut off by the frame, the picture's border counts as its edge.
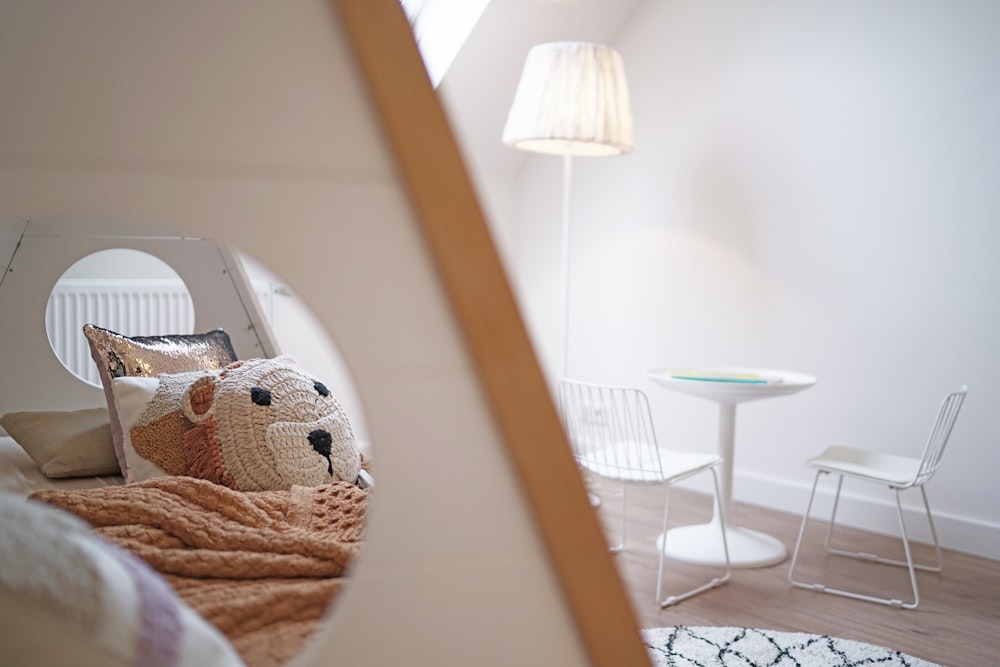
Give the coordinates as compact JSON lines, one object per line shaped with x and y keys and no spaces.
{"x":261,"y":566}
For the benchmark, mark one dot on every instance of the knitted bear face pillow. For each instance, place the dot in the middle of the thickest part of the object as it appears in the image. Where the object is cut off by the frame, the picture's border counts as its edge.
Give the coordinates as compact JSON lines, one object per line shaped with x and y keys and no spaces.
{"x":266,"y":424}
{"x":256,"y":425}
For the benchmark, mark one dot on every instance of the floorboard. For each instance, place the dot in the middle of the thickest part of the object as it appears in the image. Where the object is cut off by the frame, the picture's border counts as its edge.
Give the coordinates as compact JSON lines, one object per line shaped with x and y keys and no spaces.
{"x":957,"y":623}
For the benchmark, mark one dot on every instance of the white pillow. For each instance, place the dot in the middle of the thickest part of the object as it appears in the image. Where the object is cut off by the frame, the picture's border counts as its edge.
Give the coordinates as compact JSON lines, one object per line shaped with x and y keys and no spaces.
{"x":68,"y":597}
{"x":131,"y":395}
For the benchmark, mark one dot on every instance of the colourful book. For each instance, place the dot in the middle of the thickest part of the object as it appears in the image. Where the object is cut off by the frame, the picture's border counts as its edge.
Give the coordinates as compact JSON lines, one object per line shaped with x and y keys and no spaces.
{"x":737,"y":377}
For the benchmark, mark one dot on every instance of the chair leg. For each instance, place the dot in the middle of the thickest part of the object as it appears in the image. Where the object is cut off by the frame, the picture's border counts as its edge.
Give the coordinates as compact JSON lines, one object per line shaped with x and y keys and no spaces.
{"x":723,"y":522}
{"x":798,"y":541}
{"x":908,"y":563}
{"x":937,"y":544}
{"x":617,"y":548}
{"x":716,"y":581}
{"x":861,"y":555}
{"x":909,"y":559}
{"x":833,"y":514}
{"x":662,"y":549}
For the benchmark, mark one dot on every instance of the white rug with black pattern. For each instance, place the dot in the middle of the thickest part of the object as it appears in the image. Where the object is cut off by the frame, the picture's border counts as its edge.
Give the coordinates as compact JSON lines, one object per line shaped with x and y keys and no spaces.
{"x":683,"y":646}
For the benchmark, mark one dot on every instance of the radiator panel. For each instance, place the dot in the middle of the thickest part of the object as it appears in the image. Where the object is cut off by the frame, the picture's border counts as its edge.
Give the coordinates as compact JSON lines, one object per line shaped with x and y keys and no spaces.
{"x":131,"y":308}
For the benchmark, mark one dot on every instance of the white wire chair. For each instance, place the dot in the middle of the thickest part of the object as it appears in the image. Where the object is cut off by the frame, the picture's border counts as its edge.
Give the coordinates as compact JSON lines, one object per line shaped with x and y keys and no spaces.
{"x":898,"y":473}
{"x":611,"y":432}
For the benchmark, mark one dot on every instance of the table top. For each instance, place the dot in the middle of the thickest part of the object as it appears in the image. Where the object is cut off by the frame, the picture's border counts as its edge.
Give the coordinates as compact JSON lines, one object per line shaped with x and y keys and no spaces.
{"x":731,"y":384}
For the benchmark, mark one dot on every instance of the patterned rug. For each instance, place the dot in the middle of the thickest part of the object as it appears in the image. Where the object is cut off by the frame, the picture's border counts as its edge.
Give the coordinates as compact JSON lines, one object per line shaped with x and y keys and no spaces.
{"x":683,"y":646}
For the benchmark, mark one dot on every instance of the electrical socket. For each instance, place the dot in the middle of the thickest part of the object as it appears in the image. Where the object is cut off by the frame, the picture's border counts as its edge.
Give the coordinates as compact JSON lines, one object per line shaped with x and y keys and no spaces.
{"x":592,"y":414}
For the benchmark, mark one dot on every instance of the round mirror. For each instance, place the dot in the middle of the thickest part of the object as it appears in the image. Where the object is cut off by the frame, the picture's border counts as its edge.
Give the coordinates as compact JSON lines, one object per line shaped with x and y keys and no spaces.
{"x":127,"y":291}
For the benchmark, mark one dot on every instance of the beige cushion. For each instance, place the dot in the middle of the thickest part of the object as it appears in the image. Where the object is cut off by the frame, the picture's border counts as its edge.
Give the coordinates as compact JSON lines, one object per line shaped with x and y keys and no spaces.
{"x":65,"y":444}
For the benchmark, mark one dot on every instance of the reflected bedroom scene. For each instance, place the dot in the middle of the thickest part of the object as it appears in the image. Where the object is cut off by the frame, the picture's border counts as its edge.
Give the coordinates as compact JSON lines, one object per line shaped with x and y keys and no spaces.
{"x":268,"y":457}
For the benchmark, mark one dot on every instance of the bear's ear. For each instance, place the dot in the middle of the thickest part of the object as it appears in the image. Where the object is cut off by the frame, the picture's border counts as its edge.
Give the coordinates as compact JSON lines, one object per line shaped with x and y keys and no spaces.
{"x":286,"y":359}
{"x":233,"y":366}
{"x":199,"y":398}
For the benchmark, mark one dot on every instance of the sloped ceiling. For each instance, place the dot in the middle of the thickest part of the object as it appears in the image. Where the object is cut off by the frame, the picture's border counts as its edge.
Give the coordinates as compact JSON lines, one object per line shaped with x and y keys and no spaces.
{"x":479,"y":86}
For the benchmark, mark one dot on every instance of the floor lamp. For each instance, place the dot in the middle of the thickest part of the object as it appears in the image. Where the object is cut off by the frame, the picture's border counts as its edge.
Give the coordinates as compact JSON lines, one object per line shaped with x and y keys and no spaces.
{"x":572,"y":100}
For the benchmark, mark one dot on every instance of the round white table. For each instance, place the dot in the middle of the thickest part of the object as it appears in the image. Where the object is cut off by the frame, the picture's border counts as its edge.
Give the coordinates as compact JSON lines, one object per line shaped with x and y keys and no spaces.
{"x":728,"y":387}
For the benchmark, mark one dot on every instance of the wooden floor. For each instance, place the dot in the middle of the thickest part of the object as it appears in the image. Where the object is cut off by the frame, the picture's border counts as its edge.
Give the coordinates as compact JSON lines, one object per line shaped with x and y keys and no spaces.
{"x":957,"y":623}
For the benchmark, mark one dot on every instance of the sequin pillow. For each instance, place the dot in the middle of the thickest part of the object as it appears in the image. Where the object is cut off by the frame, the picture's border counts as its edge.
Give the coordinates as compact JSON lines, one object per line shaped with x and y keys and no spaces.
{"x":149,"y":356}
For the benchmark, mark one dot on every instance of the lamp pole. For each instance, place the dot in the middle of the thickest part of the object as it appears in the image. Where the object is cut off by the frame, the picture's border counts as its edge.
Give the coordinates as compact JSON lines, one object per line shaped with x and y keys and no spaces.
{"x":567,"y":182}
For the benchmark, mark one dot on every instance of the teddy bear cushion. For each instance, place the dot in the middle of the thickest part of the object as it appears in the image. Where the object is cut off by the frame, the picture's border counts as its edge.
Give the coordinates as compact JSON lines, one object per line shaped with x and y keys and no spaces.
{"x":256,"y":425}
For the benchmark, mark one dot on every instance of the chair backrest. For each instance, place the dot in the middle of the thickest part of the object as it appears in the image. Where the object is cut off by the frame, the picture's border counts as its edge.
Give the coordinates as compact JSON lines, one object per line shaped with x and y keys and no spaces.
{"x":610,"y":430}
{"x":940,"y":433}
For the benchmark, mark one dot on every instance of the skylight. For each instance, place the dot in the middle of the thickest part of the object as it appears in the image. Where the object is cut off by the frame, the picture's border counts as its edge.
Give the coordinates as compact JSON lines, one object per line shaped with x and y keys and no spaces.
{"x":441,"y":28}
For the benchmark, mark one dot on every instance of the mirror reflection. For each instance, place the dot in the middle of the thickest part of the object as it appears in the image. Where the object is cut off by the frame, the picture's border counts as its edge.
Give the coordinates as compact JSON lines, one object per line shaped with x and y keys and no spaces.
{"x":127,"y":291}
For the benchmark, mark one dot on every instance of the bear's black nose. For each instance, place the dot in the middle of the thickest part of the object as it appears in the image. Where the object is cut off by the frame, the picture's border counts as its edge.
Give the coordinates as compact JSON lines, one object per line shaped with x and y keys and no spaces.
{"x":321,"y":441}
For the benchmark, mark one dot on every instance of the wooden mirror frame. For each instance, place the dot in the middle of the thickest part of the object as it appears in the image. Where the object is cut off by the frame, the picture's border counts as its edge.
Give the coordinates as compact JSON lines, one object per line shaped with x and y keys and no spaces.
{"x":453,"y":223}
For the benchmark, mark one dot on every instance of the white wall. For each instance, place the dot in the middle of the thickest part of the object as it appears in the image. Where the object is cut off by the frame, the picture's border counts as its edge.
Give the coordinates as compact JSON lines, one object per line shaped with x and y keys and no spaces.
{"x":300,"y":333}
{"x":121,"y":263}
{"x":815,"y":188}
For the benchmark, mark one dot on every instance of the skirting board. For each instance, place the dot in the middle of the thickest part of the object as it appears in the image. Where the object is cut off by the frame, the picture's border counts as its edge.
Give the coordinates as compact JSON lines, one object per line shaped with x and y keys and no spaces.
{"x":972,"y":536}
{"x":959,"y":533}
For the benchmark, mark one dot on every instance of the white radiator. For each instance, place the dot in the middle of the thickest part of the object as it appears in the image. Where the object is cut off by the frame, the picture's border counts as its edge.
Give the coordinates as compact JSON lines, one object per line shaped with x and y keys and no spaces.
{"x":133,"y":308}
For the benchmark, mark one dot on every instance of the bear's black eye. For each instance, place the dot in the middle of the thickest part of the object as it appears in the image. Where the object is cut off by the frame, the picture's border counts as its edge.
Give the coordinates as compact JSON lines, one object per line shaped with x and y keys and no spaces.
{"x":260,"y":396}
{"x":321,"y":388}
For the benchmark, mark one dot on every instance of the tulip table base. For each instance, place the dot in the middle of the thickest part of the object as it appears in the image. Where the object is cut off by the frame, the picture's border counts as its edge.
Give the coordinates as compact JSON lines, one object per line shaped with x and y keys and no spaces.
{"x":702,"y":544}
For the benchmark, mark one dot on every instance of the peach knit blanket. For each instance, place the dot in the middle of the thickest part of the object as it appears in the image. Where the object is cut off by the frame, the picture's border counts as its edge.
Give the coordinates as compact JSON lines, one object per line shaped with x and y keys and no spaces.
{"x":261,"y":566}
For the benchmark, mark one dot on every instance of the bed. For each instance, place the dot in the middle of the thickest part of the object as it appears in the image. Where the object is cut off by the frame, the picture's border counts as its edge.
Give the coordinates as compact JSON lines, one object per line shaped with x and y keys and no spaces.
{"x":246,"y":562}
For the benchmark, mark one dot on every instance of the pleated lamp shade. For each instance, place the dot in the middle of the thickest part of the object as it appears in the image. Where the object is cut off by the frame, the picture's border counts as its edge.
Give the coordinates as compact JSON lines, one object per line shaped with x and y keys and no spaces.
{"x":572,"y":100}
